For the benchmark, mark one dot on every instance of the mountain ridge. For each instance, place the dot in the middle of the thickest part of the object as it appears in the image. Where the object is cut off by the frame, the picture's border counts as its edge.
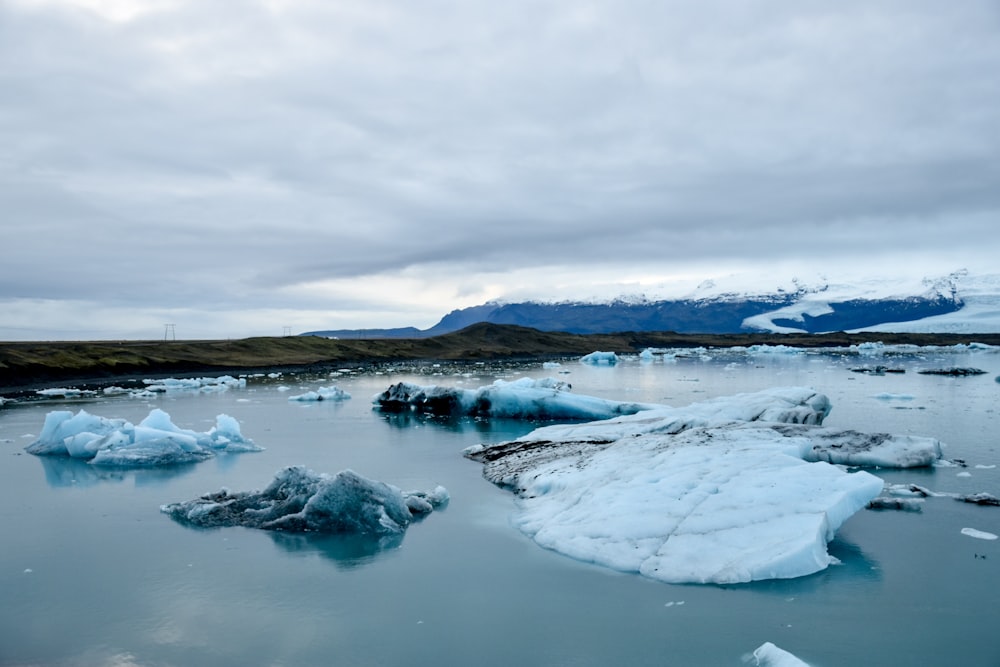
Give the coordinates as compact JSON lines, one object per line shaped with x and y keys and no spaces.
{"x":932,"y":305}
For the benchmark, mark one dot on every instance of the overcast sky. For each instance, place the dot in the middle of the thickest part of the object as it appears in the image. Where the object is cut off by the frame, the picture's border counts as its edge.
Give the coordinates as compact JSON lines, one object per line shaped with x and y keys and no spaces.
{"x":237,"y":167}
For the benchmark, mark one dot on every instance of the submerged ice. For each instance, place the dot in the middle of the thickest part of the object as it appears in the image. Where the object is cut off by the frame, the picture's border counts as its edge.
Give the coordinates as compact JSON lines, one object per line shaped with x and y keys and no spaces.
{"x":155,"y":441}
{"x":734,"y":489}
{"x":300,"y":500}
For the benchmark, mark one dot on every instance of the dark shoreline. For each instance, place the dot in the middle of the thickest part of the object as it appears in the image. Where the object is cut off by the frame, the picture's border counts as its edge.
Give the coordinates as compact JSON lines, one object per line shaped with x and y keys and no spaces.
{"x":27,"y":366}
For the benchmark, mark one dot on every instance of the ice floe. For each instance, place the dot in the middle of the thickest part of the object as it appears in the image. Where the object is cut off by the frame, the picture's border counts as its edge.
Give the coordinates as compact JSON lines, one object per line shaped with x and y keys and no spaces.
{"x":202,"y":384}
{"x":300,"y":500}
{"x":769,"y":655}
{"x":322,"y":394}
{"x":65,"y":392}
{"x":732,"y":489}
{"x":545,"y":398}
{"x":155,"y":441}
{"x":978,"y":534}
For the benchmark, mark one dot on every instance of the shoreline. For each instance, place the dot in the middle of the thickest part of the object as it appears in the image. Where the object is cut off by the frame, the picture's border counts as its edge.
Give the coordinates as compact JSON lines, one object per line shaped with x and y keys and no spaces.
{"x":28,"y":366}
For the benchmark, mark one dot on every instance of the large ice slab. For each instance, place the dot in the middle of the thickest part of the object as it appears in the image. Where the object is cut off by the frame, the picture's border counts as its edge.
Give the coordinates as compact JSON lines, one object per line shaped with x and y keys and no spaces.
{"x":525,"y":398}
{"x":769,"y":655}
{"x":729,"y":490}
{"x":155,"y":441}
{"x":300,"y":500}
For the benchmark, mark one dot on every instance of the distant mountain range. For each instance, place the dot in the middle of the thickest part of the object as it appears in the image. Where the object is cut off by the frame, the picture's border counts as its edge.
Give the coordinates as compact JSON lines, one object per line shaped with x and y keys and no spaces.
{"x":957,"y":303}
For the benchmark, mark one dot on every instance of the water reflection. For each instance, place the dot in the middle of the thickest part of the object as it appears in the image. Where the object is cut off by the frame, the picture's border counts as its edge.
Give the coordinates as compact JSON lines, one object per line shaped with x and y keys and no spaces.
{"x":64,"y":471}
{"x":346,"y":551}
{"x":461,"y":424}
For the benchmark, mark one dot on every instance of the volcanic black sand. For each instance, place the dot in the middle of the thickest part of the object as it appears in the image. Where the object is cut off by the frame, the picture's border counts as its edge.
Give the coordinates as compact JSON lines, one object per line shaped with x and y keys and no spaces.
{"x":25,"y":366}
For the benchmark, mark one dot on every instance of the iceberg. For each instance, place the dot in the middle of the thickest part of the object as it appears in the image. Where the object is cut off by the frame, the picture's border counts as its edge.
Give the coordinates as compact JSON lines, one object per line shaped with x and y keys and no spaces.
{"x":769,"y":655}
{"x":322,"y":394}
{"x":155,"y":441}
{"x":730,"y":490}
{"x":65,"y":392}
{"x":300,"y":500}
{"x":545,"y":398}
{"x":600,"y":359}
{"x":203,"y":384}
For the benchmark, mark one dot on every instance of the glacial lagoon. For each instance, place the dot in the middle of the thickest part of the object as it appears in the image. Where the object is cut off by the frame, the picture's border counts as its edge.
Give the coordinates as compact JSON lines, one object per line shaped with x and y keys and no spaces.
{"x":93,"y":573}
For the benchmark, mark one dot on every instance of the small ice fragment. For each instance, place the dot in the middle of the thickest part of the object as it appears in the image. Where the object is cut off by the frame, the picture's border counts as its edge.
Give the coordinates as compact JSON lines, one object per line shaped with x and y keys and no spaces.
{"x":978,"y":534}
{"x":964,"y":474}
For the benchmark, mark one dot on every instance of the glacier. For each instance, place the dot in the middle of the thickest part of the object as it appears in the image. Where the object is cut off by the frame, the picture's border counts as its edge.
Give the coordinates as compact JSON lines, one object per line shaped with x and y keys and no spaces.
{"x":729,"y":490}
{"x":300,"y":500}
{"x":525,"y":398}
{"x":155,"y":441}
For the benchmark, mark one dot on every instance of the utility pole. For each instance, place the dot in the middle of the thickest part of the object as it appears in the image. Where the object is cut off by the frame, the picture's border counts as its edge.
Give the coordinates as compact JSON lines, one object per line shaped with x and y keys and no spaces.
{"x":286,"y":331}
{"x":169,"y":332}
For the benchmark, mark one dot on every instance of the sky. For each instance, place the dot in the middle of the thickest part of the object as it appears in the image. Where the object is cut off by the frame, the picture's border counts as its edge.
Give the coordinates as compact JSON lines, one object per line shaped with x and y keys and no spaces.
{"x":243,"y":168}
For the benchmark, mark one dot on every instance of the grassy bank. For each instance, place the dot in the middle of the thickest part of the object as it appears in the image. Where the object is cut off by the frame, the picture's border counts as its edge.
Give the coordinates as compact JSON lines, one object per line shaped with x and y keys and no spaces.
{"x":24,"y":365}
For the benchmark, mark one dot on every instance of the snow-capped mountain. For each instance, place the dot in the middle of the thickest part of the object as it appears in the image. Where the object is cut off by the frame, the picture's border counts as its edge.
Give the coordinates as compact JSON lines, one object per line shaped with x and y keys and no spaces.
{"x":956,"y":303}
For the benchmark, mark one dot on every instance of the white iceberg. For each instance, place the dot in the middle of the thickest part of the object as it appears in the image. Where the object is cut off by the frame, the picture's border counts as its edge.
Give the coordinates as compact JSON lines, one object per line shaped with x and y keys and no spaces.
{"x":322,"y":394}
{"x":65,"y":392}
{"x":545,"y":398}
{"x":979,"y":534}
{"x":730,"y":490}
{"x":155,"y":441}
{"x":769,"y":655}
{"x":600,"y":359}
{"x":202,"y":384}
{"x":300,"y":500}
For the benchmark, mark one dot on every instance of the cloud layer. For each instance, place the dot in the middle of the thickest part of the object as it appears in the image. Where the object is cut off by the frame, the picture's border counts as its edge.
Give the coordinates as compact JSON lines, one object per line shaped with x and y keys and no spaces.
{"x":239,"y":167}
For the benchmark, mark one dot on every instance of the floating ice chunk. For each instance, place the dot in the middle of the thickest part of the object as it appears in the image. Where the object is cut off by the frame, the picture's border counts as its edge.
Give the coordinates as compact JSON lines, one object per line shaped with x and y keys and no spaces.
{"x":769,"y":655}
{"x":600,"y":359}
{"x":300,"y":500}
{"x":204,"y":384}
{"x":978,"y":534}
{"x":764,"y":350}
{"x":548,"y":365}
{"x":65,"y":392}
{"x":322,"y":394}
{"x":912,"y":490}
{"x":735,"y":501}
{"x":873,"y":349}
{"x":155,"y":441}
{"x":545,"y":398}
{"x":979,"y":499}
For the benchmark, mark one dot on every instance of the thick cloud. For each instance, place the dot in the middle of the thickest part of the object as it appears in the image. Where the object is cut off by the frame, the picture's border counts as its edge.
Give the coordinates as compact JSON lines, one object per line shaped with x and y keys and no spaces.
{"x":242,"y":166}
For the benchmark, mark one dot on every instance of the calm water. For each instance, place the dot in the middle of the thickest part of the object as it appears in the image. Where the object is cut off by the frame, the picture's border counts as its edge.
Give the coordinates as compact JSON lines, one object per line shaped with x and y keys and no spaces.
{"x":91,"y":573}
